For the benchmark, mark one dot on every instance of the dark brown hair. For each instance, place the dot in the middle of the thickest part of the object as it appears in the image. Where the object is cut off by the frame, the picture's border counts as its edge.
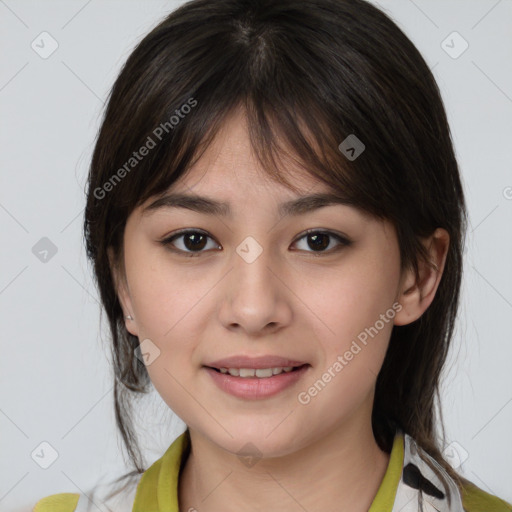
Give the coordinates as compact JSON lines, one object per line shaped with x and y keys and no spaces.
{"x":308,"y":74}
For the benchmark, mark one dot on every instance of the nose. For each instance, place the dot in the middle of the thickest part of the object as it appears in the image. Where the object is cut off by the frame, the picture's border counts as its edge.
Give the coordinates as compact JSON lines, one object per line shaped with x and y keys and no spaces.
{"x":255,"y":297}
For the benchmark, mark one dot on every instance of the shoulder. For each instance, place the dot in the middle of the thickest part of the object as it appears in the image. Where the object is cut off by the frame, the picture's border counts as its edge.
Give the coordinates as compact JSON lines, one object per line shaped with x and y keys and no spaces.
{"x":113,"y":496}
{"x":475,"y":499}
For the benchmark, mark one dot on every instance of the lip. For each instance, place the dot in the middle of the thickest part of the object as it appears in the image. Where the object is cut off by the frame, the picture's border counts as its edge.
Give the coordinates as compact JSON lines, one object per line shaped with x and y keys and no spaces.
{"x":254,"y":387}
{"x":241,"y":361}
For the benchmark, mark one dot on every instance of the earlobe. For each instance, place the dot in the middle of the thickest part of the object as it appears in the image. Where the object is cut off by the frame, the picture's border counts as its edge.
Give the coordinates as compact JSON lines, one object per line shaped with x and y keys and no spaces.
{"x":418,"y":291}
{"x":122,"y":293}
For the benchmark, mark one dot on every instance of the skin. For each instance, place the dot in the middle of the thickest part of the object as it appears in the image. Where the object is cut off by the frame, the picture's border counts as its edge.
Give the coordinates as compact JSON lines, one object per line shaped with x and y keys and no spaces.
{"x":304,"y":304}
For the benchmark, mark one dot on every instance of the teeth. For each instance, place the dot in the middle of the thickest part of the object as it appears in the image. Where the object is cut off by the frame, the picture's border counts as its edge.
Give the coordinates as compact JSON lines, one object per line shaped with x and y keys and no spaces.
{"x":260,"y":372}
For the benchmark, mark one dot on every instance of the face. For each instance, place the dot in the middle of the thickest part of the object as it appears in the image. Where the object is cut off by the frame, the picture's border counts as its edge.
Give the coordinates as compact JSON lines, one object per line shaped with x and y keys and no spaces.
{"x":255,"y":283}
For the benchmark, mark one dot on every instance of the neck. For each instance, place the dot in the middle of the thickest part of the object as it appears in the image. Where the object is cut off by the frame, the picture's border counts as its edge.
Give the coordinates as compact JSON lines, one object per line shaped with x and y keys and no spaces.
{"x":342,"y":469}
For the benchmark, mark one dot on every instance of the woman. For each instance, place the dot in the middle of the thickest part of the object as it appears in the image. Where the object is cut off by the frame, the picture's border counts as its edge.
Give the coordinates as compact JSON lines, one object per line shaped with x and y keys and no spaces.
{"x":276,"y":223}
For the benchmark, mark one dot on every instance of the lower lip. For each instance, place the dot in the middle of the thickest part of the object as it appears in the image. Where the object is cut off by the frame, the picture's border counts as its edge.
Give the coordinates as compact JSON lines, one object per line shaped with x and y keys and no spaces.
{"x":254,"y":387}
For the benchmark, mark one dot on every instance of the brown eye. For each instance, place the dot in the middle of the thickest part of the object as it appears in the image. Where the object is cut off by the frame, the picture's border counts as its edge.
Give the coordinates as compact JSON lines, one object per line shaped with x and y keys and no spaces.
{"x":319,"y":241}
{"x":192,"y":241}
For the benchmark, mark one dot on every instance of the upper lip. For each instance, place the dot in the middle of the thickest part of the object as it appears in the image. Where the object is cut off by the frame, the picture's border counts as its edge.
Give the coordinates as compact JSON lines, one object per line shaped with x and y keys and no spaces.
{"x":254,"y":362}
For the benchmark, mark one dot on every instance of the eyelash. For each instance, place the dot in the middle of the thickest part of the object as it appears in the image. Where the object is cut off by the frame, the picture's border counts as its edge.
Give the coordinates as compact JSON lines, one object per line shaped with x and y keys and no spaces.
{"x":167,"y":242}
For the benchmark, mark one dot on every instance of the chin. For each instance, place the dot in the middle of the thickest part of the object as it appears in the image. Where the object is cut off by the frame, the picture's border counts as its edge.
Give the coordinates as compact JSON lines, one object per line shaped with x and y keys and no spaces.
{"x":257,"y":439}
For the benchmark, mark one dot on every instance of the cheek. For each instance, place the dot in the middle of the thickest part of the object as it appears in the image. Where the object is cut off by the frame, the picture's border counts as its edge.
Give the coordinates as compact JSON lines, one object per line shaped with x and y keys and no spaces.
{"x":167,"y":304}
{"x":351,"y":340}
{"x":163,"y":293}
{"x":352,"y":310}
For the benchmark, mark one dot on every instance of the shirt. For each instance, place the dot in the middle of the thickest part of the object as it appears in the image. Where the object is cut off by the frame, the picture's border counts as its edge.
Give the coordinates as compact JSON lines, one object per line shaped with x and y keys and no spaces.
{"x":409,"y":485}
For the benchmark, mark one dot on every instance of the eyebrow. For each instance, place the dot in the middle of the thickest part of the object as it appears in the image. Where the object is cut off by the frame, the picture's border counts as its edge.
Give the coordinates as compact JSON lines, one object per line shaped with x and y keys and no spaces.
{"x":209,"y":206}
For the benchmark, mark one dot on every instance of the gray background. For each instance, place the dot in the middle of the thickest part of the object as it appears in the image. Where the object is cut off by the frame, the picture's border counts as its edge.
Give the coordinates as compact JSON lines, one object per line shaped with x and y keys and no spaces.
{"x":56,"y":384}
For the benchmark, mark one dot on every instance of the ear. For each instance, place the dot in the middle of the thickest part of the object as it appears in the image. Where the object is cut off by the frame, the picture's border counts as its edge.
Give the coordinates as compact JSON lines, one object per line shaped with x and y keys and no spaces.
{"x":415,"y":294}
{"x":122,"y":291}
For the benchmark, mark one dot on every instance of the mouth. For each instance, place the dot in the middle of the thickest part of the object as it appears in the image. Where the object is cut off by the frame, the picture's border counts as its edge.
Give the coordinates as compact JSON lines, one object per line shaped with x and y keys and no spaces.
{"x":260,"y":373}
{"x":257,"y":383}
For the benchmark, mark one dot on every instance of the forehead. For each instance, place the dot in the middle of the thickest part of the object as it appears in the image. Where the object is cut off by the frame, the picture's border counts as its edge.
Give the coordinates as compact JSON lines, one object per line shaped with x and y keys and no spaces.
{"x":228,"y":177}
{"x":230,"y":165}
